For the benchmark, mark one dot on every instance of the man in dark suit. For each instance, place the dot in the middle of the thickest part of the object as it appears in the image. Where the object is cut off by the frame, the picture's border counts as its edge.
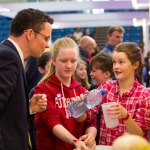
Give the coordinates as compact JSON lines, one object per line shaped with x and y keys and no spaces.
{"x":33,"y":76}
{"x":30,"y":32}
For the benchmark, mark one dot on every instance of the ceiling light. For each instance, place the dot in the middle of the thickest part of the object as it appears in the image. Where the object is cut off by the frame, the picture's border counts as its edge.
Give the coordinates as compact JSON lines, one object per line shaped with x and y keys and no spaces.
{"x":122,"y":0}
{"x":135,"y":22}
{"x":97,"y":11}
{"x":55,"y":26}
{"x":101,"y":0}
{"x":4,"y":10}
{"x":134,"y":3}
{"x":79,"y":0}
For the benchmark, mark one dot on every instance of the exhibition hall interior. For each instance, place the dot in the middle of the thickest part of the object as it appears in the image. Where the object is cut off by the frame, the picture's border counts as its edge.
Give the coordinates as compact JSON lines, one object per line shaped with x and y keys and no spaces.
{"x":97,"y":15}
{"x":65,"y":79}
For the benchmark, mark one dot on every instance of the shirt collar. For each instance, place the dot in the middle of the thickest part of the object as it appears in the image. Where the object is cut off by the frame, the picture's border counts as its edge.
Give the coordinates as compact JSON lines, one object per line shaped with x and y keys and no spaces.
{"x":131,"y":90}
{"x":18,"y":49}
{"x":110,"y":46}
{"x":116,"y":87}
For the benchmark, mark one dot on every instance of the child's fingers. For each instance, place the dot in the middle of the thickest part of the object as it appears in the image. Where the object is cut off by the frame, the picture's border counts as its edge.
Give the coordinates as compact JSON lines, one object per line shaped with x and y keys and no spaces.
{"x":117,"y":116}
{"x":115,"y":105}
{"x":92,"y":145}
{"x":81,"y":96}
{"x":83,"y":137}
{"x":78,"y":98}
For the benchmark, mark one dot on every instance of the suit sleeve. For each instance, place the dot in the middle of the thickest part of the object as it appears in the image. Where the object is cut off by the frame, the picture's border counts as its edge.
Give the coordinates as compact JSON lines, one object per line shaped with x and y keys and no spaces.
{"x":8,"y":76}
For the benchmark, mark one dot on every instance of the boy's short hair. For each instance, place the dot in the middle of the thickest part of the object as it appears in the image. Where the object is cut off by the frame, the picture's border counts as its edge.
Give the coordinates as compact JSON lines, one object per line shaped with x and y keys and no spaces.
{"x":46,"y":57}
{"x":102,"y":61}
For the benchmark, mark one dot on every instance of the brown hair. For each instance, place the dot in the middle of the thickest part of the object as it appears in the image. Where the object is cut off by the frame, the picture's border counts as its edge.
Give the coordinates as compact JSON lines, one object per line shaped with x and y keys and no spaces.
{"x":44,"y":59}
{"x":115,"y":28}
{"x":102,"y":61}
{"x":133,"y":52}
{"x":29,"y":19}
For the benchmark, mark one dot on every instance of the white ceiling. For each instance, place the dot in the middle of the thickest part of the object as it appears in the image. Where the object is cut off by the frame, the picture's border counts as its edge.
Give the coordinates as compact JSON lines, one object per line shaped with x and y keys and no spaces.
{"x":84,"y":20}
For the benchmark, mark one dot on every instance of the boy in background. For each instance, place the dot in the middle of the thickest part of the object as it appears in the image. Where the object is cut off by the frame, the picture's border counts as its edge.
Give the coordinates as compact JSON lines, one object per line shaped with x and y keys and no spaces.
{"x":101,"y":71}
{"x":44,"y":62}
{"x":101,"y":68}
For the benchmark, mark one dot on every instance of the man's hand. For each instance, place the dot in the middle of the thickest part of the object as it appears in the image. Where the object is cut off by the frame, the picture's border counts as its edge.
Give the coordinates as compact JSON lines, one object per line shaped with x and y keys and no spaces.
{"x":38,"y":103}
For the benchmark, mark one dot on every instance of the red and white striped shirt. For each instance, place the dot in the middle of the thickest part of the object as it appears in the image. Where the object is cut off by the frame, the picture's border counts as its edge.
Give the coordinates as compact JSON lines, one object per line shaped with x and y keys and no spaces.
{"x":135,"y":101}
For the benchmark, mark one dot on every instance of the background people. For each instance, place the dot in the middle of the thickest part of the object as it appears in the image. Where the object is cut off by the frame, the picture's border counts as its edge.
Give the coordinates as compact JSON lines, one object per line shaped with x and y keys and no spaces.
{"x":114,"y":37}
{"x":78,"y":34}
{"x":80,"y":74}
{"x":44,"y":62}
{"x":87,"y":33}
{"x":101,"y":71}
{"x":101,"y":68}
{"x":87,"y":46}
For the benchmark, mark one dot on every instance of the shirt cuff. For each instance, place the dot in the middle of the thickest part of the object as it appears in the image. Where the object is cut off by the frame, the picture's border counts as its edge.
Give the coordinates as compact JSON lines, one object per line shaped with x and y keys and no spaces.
{"x":31,"y":113}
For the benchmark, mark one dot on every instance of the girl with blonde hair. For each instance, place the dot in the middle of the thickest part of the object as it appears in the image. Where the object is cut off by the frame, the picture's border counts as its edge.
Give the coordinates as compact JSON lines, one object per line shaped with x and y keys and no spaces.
{"x":56,"y":128}
{"x":80,"y":74}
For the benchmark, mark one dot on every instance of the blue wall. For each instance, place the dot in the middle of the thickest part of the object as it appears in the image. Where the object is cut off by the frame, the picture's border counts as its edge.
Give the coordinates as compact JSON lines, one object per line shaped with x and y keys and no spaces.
{"x":132,"y":34}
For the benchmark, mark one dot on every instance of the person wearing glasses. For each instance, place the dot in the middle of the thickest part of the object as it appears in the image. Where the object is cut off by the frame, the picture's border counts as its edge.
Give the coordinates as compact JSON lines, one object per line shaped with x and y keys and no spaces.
{"x":30,"y":32}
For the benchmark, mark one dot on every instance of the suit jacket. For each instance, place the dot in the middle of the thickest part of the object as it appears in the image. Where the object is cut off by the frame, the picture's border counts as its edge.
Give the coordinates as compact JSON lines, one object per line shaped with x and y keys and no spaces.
{"x":33,"y":76}
{"x":14,"y":103}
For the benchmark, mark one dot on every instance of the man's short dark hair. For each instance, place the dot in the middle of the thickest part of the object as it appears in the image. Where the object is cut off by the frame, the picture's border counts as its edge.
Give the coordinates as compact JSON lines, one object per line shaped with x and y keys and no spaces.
{"x":29,"y":19}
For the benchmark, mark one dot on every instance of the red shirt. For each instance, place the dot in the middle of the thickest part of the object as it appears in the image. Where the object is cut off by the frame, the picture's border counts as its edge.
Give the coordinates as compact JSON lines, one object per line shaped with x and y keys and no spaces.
{"x":135,"y":101}
{"x":59,"y":96}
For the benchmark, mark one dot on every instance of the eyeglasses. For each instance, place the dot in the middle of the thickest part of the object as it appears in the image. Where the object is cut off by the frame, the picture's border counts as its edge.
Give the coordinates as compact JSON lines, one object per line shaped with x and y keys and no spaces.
{"x":47,"y":38}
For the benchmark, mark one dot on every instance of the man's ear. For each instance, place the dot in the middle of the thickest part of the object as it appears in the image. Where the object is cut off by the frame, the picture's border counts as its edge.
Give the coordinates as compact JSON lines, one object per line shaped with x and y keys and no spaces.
{"x":29,"y":34}
{"x":41,"y":70}
{"x":108,"y":36}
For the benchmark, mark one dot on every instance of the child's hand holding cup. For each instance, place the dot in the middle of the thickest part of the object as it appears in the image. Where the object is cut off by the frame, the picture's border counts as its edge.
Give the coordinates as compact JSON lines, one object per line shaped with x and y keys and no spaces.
{"x":109,"y":120}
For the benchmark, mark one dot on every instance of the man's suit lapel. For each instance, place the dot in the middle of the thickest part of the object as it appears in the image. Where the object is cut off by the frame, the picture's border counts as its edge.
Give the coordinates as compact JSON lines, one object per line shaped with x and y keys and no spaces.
{"x":9,"y":44}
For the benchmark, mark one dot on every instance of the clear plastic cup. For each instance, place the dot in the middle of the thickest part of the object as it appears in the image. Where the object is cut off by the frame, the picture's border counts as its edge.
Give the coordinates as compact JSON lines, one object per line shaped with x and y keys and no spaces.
{"x":110,"y":123}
